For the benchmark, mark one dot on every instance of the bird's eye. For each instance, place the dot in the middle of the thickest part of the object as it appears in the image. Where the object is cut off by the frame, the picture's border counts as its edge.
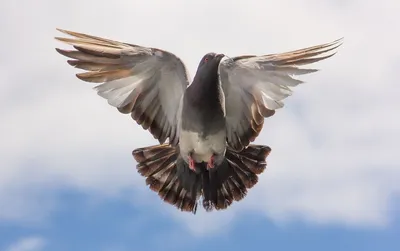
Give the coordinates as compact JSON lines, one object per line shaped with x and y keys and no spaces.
{"x":206,"y":59}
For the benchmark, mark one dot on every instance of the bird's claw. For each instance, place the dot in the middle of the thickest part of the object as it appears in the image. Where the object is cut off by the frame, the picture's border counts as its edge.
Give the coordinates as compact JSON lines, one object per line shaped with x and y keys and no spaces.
{"x":210,"y":163}
{"x":192,"y":165}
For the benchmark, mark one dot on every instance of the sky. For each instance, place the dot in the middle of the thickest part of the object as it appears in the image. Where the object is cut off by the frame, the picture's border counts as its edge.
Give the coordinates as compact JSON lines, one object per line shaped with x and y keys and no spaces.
{"x":67,"y":177}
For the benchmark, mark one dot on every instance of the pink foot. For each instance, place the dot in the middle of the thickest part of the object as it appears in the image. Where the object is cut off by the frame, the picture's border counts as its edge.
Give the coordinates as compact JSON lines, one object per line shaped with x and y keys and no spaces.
{"x":191,"y":164}
{"x":210,"y":163}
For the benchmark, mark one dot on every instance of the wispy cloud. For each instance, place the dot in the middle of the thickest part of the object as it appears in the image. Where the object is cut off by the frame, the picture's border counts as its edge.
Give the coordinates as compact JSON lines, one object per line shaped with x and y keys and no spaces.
{"x":33,"y":243}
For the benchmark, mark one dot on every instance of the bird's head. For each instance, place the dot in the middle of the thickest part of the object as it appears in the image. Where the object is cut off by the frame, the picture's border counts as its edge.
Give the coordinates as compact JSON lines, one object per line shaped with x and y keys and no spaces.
{"x":208,"y":67}
{"x":209,"y":63}
{"x":211,"y":60}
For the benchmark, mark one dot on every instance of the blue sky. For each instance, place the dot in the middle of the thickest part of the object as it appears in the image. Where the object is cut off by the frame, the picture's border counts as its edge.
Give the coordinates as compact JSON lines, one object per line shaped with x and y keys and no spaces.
{"x":121,"y":226}
{"x":67,"y":177}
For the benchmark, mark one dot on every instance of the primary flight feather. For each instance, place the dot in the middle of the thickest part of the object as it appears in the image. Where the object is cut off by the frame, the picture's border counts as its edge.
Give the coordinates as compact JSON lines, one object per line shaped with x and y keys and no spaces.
{"x":208,"y":123}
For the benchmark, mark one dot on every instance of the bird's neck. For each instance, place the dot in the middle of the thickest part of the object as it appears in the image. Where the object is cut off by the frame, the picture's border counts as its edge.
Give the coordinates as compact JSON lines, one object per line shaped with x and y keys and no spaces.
{"x":205,"y":89}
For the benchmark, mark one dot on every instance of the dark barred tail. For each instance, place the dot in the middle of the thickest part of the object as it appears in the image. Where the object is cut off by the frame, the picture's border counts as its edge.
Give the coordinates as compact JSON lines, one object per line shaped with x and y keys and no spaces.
{"x":230,"y":181}
{"x":162,"y":168}
{"x":168,"y":175}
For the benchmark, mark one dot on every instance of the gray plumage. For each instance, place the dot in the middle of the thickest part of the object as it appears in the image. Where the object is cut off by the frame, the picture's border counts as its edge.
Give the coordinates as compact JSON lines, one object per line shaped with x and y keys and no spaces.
{"x":202,"y":120}
{"x":209,"y":123}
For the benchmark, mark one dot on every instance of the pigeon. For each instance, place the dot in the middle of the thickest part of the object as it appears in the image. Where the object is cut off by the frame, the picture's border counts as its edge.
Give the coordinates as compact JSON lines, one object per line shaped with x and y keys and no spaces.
{"x":206,"y":126}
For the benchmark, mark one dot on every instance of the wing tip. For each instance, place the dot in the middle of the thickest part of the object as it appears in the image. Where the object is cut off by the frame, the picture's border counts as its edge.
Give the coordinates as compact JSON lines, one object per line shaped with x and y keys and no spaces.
{"x":333,"y":46}
{"x":61,"y":51}
{"x":64,"y":32}
{"x":61,"y":30}
{"x":67,"y":32}
{"x":337,"y":41}
{"x":61,"y":39}
{"x":81,"y":76}
{"x":72,"y":63}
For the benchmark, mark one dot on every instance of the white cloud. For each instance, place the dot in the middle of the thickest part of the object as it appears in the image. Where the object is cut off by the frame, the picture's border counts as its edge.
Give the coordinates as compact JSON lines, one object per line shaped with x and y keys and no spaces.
{"x":33,"y":243}
{"x":333,"y":154}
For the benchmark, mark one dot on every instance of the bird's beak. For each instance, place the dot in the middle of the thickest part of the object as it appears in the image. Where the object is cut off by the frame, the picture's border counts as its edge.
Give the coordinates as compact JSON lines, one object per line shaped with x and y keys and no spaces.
{"x":220,"y":56}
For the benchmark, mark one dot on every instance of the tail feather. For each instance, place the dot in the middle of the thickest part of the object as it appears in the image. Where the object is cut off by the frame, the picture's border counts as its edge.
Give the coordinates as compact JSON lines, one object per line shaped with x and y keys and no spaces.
{"x":255,"y":158}
{"x":169,"y":176}
{"x":242,"y":173}
{"x":236,"y":175}
{"x":160,"y":165}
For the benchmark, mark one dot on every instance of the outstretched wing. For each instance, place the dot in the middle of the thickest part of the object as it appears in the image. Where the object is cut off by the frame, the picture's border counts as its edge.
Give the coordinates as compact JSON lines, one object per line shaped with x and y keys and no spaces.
{"x":255,"y":86}
{"x":146,"y":82}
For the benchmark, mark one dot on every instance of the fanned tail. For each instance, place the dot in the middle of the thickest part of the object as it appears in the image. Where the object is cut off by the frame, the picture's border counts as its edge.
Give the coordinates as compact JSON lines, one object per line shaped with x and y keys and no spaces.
{"x":163,"y":169}
{"x":231,"y":180}
{"x":168,"y":175}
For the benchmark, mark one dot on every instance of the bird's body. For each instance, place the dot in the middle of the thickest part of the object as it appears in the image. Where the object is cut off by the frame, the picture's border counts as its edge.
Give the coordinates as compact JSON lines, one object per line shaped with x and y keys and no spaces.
{"x":202,"y":120}
{"x":209,"y":122}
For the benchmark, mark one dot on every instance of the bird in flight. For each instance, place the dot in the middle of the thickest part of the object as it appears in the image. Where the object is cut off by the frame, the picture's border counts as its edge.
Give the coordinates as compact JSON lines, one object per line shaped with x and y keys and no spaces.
{"x":204,"y":126}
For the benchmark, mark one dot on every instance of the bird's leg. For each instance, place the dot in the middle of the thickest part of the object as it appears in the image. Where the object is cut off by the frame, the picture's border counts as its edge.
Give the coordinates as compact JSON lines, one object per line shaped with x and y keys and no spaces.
{"x":192,"y":165}
{"x":210,"y":163}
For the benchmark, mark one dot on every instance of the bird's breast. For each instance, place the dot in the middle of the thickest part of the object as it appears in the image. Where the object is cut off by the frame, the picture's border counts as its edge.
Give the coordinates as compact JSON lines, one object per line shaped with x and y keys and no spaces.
{"x":203,"y":114}
{"x":202,"y":148}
